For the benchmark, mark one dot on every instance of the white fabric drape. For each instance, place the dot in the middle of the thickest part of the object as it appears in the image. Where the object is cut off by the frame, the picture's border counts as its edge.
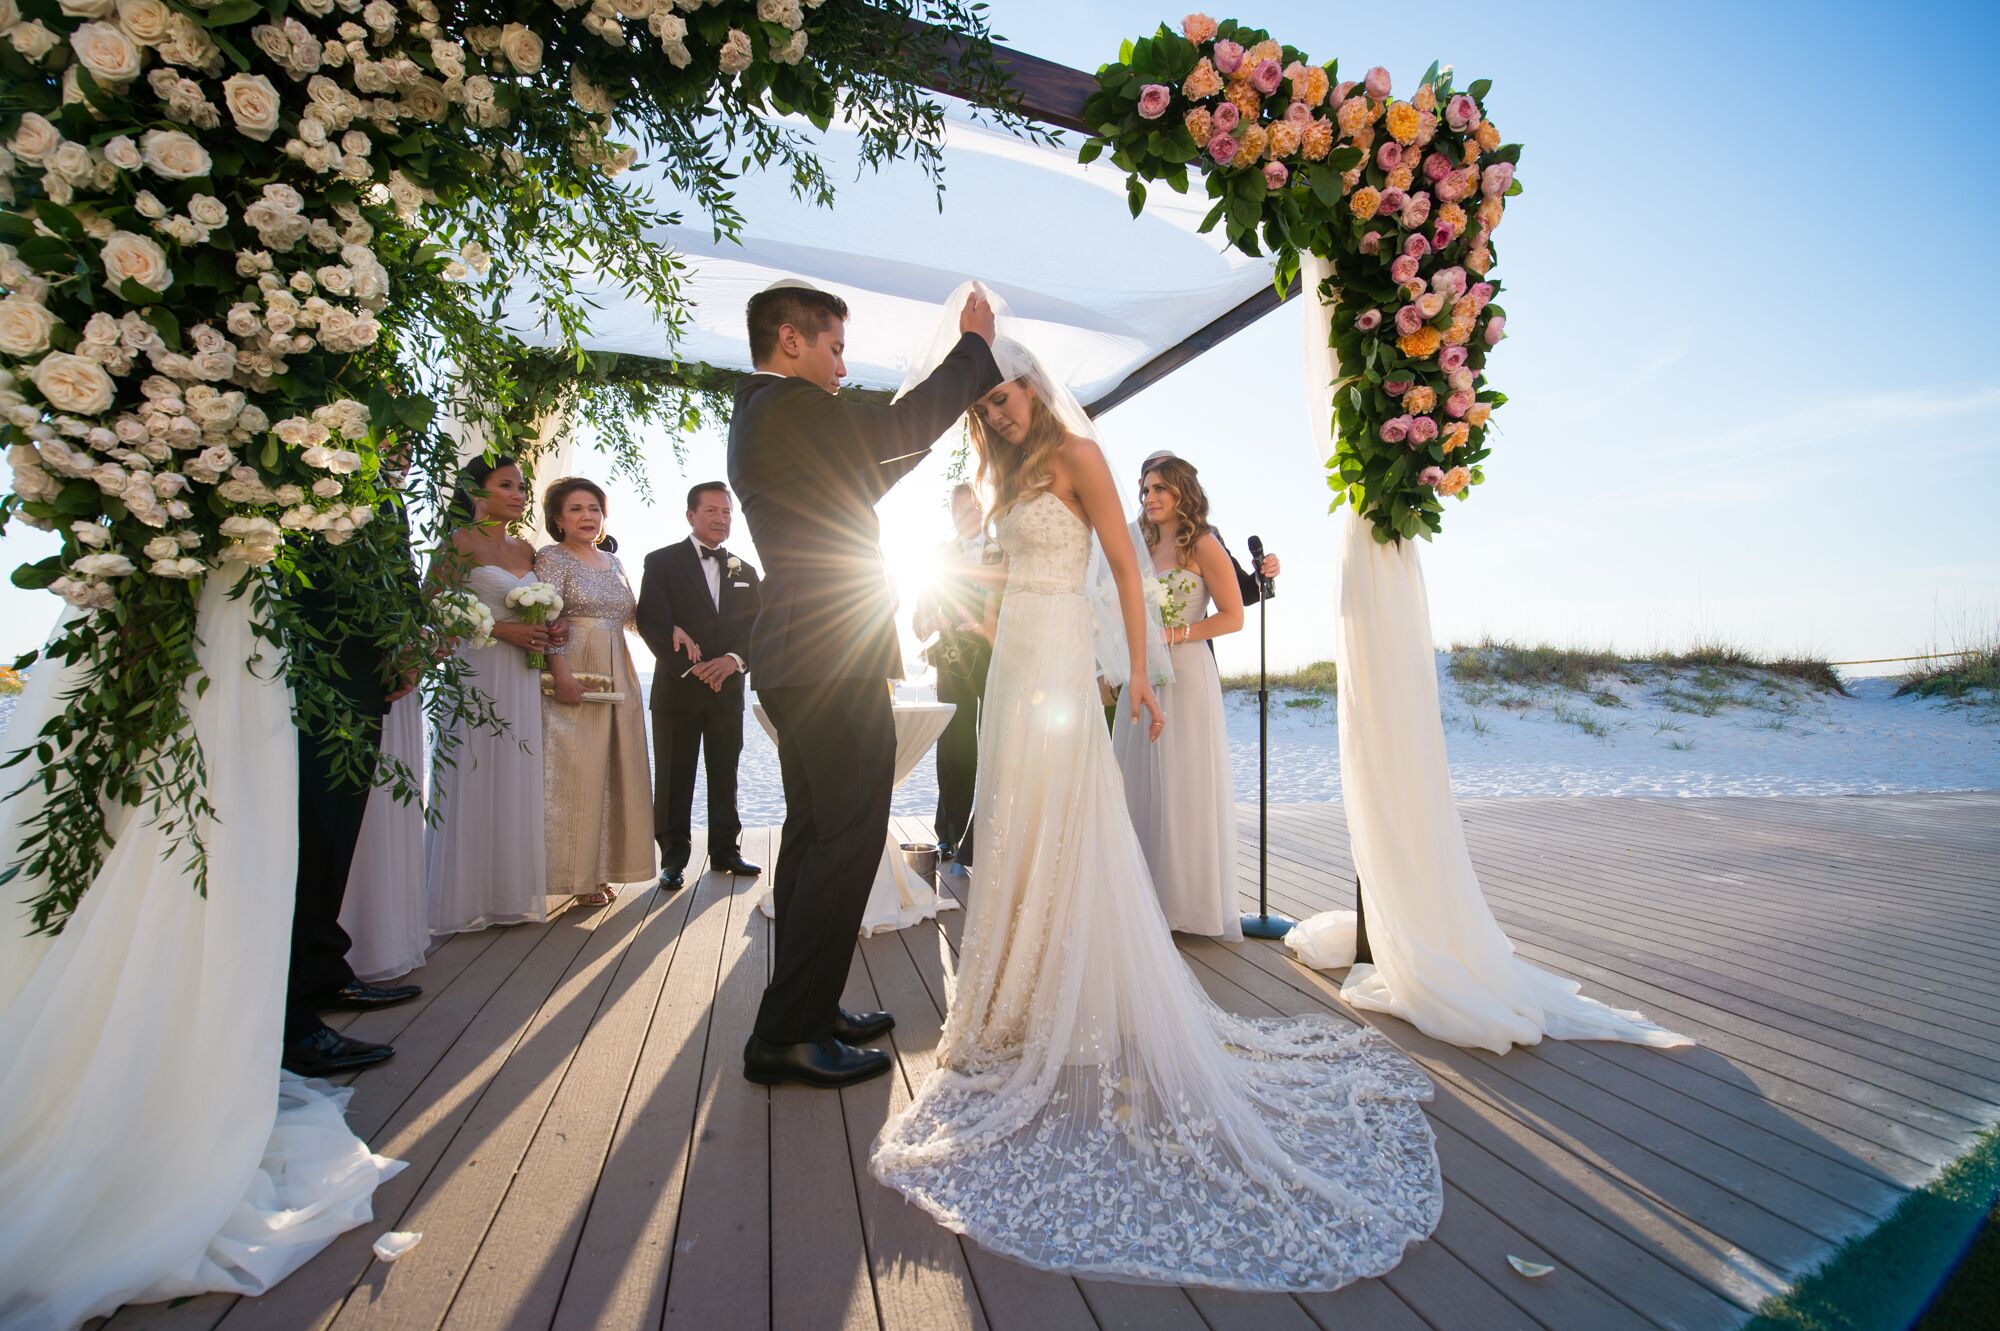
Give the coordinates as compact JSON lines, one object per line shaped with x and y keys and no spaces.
{"x":383,"y":911}
{"x":149,"y":1146}
{"x":1441,"y":961}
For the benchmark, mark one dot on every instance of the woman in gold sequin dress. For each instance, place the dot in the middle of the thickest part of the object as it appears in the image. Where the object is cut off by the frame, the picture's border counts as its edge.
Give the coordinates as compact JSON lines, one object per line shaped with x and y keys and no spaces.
{"x":599,"y":823}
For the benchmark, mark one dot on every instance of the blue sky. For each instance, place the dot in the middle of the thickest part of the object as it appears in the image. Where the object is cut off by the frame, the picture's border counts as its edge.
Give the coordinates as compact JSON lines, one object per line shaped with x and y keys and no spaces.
{"x":1752,"y":391}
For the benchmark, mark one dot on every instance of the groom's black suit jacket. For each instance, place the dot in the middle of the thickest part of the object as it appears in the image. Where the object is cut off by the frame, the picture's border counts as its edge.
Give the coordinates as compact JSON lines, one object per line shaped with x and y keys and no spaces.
{"x":808,"y":468}
{"x":674,"y":593}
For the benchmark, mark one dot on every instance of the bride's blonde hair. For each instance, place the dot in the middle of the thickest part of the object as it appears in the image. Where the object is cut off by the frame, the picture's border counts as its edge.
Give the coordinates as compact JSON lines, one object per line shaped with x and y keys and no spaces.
{"x":1009,"y":473}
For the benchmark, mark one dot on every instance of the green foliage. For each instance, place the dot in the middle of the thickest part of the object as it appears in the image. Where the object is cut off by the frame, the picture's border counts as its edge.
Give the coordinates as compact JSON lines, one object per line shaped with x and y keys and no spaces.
{"x":1933,"y":1264}
{"x":1971,"y":676}
{"x":459,"y":206}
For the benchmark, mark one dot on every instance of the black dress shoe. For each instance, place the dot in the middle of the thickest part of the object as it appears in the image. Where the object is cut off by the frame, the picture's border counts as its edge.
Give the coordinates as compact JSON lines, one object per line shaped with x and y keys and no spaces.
{"x":326,"y":1052}
{"x":827,"y":1063}
{"x":672,"y":880}
{"x":944,"y":849}
{"x":363,"y":997}
{"x":737,"y":865}
{"x":861,"y":1027}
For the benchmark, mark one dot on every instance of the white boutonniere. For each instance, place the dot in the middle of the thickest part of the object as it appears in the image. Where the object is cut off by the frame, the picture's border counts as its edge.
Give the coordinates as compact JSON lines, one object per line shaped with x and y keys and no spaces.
{"x":735,"y":566}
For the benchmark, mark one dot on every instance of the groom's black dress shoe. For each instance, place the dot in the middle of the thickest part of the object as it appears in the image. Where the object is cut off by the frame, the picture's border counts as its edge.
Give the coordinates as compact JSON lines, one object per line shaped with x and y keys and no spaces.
{"x":737,"y":865}
{"x":820,"y":1063}
{"x":362,"y":997}
{"x":326,"y":1052}
{"x":673,"y":880}
{"x":861,"y":1027}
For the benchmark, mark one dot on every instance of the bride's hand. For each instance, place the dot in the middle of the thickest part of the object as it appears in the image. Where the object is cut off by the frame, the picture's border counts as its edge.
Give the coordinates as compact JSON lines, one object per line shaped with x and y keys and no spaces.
{"x":1140,"y":693}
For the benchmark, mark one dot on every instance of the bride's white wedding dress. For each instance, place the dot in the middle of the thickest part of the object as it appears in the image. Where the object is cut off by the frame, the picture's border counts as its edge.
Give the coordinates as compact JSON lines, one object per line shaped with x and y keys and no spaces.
{"x":1093,"y":1111}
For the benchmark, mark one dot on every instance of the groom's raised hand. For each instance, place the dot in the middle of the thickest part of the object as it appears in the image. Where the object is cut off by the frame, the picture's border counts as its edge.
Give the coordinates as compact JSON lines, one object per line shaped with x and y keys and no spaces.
{"x":977,"y":317}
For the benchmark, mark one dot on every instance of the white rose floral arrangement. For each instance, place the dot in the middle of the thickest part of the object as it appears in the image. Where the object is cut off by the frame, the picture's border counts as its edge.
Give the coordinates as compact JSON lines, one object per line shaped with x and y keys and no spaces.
{"x":238,"y":242}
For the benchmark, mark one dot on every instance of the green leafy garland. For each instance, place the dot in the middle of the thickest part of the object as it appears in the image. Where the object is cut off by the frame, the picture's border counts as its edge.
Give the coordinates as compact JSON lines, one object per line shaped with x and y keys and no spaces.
{"x":247,"y":248}
{"x":1400,"y":198}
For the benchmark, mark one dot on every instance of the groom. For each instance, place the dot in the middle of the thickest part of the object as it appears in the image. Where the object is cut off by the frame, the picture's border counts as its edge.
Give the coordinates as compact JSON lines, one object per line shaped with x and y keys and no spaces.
{"x":809,"y":467}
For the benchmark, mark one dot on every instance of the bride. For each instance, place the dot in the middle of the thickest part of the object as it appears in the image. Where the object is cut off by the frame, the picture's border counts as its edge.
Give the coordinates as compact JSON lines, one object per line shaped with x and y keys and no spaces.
{"x":1093,"y":1111}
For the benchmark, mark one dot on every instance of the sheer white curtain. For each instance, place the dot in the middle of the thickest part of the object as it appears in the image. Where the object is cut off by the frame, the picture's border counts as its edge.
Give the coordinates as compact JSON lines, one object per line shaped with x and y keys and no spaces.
{"x":149,"y":1146}
{"x":1441,"y":961}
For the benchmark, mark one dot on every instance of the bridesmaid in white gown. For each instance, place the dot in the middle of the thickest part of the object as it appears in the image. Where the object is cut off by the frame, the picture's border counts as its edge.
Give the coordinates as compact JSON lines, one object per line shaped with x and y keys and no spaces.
{"x":1179,"y":791}
{"x":1093,"y":1112}
{"x":485,"y":860}
{"x":384,"y":911}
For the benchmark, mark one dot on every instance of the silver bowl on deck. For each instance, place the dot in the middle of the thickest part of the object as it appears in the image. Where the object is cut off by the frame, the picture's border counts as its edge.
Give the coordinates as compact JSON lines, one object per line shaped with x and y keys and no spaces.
{"x":922,"y":859}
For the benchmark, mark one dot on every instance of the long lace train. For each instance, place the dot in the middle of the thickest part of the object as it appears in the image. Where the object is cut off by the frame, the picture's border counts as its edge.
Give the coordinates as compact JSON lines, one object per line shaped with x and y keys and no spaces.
{"x":1094,"y":1112}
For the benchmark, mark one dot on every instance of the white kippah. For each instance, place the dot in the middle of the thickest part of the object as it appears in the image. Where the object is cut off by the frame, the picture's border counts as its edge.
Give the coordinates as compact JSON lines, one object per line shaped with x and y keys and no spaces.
{"x":792,"y":283}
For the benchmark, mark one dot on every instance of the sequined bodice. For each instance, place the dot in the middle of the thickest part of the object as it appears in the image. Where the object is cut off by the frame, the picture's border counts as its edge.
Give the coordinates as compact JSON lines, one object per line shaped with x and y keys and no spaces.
{"x":588,"y":593}
{"x":1048,"y":547}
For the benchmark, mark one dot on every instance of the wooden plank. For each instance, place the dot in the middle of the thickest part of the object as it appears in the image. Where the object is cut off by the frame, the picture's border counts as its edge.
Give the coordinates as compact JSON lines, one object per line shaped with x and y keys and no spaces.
{"x":1962,"y":1025}
{"x":923,"y":1273}
{"x":1939,"y":1106}
{"x":459,"y":1202}
{"x":524,"y":1261}
{"x":1551,"y":1164}
{"x":1781,"y":1013}
{"x":618,"y":1275}
{"x":1774,"y":910}
{"x":820,"y":1273}
{"x":425,"y":1127}
{"x":1731,"y":875}
{"x":1367,"y":1305}
{"x":1818,"y":1099}
{"x":720,"y":1270}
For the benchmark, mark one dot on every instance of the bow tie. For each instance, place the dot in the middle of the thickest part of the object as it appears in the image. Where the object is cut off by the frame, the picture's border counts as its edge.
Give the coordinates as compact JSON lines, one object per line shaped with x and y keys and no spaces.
{"x":717,"y":553}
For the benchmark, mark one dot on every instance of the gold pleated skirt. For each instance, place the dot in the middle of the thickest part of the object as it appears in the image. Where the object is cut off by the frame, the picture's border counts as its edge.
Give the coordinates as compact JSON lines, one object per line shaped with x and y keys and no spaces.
{"x":599,"y":806}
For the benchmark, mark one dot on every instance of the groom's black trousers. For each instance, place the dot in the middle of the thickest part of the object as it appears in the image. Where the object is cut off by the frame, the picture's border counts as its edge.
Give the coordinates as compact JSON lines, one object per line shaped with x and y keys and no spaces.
{"x":330,"y":812}
{"x":837,"y":755}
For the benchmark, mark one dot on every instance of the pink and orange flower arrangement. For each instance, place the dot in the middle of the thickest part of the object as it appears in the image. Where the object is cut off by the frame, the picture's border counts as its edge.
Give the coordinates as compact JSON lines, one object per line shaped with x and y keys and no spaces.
{"x":1401,"y":197}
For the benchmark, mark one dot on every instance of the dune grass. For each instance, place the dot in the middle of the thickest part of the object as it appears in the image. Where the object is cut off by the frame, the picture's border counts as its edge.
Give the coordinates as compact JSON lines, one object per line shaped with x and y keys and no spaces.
{"x":1714,"y":665}
{"x":1941,"y":1238}
{"x":10,"y":681}
{"x":1971,"y":676}
{"x":1318,"y":677}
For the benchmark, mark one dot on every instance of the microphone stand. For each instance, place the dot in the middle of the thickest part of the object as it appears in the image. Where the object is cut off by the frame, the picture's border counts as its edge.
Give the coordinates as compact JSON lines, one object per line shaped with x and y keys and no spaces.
{"x":1264,"y":924}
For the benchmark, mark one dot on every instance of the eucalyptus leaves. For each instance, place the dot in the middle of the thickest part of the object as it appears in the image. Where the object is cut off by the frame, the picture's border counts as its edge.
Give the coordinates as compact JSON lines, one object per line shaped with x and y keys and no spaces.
{"x":248,"y":246}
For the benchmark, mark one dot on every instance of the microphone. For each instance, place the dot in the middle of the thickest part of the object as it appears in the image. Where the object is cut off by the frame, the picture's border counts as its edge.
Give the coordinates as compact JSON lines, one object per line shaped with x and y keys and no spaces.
{"x":1257,"y":559}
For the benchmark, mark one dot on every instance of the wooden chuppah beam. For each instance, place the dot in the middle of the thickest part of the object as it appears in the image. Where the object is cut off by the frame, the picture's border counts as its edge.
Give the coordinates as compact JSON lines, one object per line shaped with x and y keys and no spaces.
{"x":1055,"y":95}
{"x":1210,"y":334}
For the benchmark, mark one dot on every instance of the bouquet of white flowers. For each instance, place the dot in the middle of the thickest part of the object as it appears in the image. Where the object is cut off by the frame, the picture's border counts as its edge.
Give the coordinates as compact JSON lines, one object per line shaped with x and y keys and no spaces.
{"x":538,"y":602}
{"x":1170,"y":594}
{"x":466,"y":618}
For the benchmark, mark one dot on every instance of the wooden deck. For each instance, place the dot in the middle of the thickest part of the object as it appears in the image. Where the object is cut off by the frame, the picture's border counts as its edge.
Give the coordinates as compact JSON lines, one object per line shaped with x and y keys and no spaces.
{"x":583,"y":1151}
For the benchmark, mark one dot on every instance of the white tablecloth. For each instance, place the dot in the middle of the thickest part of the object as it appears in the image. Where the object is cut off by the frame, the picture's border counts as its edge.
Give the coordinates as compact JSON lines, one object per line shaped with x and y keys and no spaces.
{"x":899,"y":898}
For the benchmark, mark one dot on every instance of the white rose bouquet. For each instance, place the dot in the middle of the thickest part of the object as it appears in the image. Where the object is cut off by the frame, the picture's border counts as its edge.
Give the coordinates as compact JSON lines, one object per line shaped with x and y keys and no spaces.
{"x":466,"y":618}
{"x":1170,"y":594}
{"x":538,"y":602}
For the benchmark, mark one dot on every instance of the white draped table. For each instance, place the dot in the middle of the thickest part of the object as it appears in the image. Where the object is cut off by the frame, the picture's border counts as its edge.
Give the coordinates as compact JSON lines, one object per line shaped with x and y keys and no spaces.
{"x":899,"y":898}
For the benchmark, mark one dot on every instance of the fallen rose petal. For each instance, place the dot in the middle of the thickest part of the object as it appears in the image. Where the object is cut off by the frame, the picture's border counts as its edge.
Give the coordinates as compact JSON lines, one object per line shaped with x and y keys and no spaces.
{"x":399,"y":1241}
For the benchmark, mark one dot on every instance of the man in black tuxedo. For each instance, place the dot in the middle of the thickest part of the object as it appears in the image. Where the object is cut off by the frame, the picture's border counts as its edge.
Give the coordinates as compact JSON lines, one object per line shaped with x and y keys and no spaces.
{"x":353,"y":622}
{"x":696,"y":605}
{"x":954,"y":609}
{"x":809,"y":466}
